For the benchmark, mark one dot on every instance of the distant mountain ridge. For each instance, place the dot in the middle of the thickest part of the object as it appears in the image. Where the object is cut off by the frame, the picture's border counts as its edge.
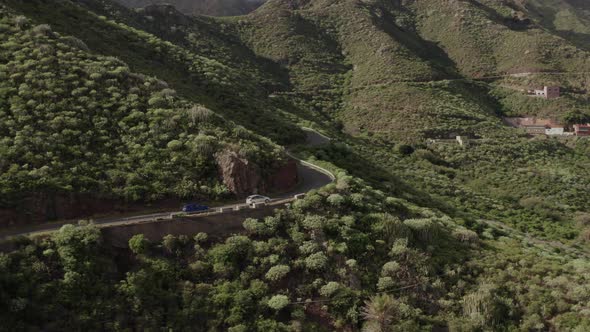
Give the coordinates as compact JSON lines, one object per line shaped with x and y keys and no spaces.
{"x":202,"y":7}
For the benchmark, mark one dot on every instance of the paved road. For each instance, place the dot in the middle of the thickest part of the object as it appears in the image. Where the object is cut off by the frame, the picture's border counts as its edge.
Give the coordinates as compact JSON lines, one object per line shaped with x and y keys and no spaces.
{"x":315,"y":138}
{"x":310,"y":177}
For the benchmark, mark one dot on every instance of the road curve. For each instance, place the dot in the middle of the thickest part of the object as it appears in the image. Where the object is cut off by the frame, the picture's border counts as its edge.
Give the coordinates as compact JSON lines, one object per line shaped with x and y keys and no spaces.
{"x":311,"y":177}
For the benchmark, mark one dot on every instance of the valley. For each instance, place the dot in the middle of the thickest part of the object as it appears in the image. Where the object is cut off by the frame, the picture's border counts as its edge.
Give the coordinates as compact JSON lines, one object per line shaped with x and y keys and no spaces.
{"x":130,"y":110}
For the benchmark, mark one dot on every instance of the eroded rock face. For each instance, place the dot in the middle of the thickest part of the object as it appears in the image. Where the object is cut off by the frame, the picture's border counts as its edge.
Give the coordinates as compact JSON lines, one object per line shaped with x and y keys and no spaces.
{"x":238,"y":174}
{"x":244,"y":178}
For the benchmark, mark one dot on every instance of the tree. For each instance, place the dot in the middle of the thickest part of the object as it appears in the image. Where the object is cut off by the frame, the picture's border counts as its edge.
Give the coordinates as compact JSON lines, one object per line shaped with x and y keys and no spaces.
{"x":336,"y":200}
{"x":314,"y":222}
{"x":484,"y":307}
{"x":278,"y":302}
{"x":316,"y":261}
{"x":21,"y":22}
{"x":380,"y":312}
{"x":392,"y":228}
{"x":139,"y":244}
{"x":330,"y":289}
{"x":199,"y":113}
{"x":424,"y":229}
{"x":255,"y":227}
{"x":576,"y":117}
{"x":277,"y":272}
{"x":201,"y":238}
{"x":174,"y":145}
{"x":170,"y":243}
{"x":76,"y":245}
{"x":42,"y":30}
{"x":231,"y":255}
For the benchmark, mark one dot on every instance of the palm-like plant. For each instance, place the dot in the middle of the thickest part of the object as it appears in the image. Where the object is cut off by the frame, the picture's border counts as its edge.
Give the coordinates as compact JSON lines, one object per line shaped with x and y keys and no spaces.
{"x":380,"y":312}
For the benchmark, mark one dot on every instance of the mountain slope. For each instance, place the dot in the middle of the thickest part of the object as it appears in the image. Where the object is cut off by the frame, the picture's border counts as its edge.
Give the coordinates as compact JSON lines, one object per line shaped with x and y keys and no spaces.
{"x":568,"y":19}
{"x":203,"y":7}
{"x":74,"y":123}
{"x":417,"y":232}
{"x":485,"y":37}
{"x":401,"y":49}
{"x":209,"y":81}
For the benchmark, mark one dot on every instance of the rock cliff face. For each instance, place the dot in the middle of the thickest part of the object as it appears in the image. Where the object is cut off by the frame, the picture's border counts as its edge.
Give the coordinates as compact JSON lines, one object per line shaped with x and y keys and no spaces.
{"x":243,"y":177}
{"x":239,"y":175}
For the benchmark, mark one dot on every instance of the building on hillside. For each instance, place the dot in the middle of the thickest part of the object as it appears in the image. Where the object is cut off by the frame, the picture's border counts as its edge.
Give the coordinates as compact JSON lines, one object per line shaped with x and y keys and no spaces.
{"x":548,"y":92}
{"x":535,"y":126}
{"x":555,"y":131}
{"x":582,"y":129}
{"x":535,"y":130}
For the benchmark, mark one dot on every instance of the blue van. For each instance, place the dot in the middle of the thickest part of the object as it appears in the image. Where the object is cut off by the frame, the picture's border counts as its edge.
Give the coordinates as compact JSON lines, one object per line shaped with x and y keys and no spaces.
{"x":193,"y":207}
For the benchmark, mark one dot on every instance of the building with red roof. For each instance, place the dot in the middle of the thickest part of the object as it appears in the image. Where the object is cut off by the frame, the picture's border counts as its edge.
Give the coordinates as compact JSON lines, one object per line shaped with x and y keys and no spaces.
{"x":582,"y":129}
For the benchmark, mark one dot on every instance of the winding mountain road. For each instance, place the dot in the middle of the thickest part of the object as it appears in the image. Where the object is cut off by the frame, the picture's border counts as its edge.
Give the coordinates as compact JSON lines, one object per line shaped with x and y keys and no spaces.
{"x":311,"y":177}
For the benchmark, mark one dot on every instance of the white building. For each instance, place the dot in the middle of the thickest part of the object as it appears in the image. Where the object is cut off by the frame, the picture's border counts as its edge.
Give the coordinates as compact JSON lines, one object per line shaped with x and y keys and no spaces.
{"x":548,"y":92}
{"x":555,"y":131}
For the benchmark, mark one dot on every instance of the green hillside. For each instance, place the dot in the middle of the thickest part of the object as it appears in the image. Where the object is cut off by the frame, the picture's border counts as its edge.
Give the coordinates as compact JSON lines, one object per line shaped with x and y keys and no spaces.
{"x":347,"y":51}
{"x":568,"y":19}
{"x":203,"y":7}
{"x":195,"y":76}
{"x":74,"y":122}
{"x":417,"y":232}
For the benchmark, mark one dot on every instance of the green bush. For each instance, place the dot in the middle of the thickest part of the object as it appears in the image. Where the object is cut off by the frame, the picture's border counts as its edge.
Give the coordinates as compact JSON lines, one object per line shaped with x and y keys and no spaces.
{"x":278,"y":302}
{"x":277,"y":272}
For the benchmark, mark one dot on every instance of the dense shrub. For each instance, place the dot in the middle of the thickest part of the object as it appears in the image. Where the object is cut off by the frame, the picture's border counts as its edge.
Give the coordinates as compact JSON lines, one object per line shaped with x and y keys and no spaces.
{"x":278,"y":302}
{"x":73,"y":122}
{"x":277,"y":272}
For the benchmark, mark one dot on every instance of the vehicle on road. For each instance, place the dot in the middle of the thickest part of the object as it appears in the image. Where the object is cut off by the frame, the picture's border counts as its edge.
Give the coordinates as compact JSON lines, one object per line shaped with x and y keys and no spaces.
{"x":255,"y":199}
{"x":193,"y":207}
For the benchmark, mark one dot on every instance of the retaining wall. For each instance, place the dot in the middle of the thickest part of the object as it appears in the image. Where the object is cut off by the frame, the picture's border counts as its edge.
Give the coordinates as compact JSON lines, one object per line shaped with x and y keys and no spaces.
{"x":217,"y":224}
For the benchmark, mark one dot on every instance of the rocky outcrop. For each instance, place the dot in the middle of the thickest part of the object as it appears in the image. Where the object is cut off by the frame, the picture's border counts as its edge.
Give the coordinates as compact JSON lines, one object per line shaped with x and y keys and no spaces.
{"x":239,"y":175}
{"x":243,"y":177}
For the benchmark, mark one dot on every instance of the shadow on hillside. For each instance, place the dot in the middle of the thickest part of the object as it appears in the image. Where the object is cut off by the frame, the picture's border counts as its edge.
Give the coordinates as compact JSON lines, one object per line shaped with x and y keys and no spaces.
{"x":428,"y":51}
{"x":214,"y":42}
{"x":309,"y":30}
{"x":515,"y":23}
{"x":231,"y":99}
{"x":345,"y":157}
{"x":580,"y":40}
{"x":547,"y":17}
